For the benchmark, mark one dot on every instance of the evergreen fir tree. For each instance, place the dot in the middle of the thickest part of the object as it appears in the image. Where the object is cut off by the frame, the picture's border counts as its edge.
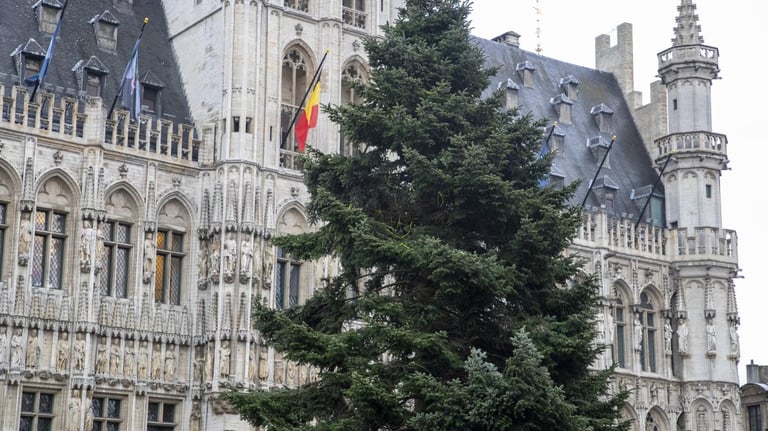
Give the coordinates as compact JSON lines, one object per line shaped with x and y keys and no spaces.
{"x":451,"y":311}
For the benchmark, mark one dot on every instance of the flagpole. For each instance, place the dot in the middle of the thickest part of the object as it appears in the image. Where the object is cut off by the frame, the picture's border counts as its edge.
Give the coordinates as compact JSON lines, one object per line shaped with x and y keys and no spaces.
{"x":53,"y":41}
{"x":304,"y":99}
{"x":605,"y":156}
{"x":650,"y":195}
{"x":135,"y":48}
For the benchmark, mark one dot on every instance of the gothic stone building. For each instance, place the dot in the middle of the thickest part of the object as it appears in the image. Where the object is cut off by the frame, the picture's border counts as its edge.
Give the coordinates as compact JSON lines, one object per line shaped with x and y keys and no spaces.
{"x":131,"y":251}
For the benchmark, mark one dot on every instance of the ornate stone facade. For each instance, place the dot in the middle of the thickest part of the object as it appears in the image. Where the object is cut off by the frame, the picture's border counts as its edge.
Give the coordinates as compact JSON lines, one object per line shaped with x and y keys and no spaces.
{"x":132,"y":251}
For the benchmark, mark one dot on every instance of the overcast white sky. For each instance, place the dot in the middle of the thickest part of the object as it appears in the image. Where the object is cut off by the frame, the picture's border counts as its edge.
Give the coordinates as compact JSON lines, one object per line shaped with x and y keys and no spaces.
{"x":568,"y":31}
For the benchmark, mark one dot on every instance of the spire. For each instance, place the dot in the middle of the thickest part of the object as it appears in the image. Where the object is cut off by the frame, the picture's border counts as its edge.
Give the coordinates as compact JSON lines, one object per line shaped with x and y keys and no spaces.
{"x":687,"y":31}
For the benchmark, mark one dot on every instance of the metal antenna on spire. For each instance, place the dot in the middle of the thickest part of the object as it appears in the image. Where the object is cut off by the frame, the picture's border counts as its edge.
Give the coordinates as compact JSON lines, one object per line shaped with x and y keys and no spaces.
{"x":538,"y":10}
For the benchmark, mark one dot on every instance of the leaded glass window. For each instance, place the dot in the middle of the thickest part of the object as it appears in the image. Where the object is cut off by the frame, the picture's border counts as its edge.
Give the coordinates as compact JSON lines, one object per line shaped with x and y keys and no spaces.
{"x":648,"y":320}
{"x":168,"y":266}
{"x":161,"y":416}
{"x":36,"y":412}
{"x":48,"y":248}
{"x":288,"y":279}
{"x":3,"y":227}
{"x":115,"y":258}
{"x":106,"y":414}
{"x":619,"y":346}
{"x":294,"y":82}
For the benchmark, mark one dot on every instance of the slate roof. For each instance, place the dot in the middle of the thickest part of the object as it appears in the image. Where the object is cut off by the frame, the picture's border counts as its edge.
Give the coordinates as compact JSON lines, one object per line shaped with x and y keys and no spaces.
{"x":77,"y":43}
{"x":630,"y":165}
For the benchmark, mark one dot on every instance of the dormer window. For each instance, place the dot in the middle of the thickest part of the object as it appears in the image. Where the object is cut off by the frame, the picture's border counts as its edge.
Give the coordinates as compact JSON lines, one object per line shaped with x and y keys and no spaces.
{"x":511,"y":90}
{"x":570,"y":86}
{"x":603,"y":116}
{"x":557,"y":140}
{"x":605,"y":189}
{"x":105,"y":27}
{"x":149,"y":99}
{"x":48,"y":12}
{"x":525,"y":70}
{"x":599,"y":148}
{"x":562,"y":105}
{"x":151,"y":94}
{"x":32,"y":64}
{"x":556,"y":178}
{"x":90,"y":76}
{"x":92,"y":84}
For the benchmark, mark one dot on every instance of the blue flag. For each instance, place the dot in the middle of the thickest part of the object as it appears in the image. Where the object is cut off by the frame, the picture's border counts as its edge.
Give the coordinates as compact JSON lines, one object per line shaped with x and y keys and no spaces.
{"x":37,"y":79}
{"x":130,"y":92}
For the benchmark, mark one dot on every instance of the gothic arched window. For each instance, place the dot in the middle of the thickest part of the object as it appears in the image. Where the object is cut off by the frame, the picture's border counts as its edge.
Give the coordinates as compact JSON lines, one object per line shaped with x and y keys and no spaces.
{"x":352,"y":74}
{"x":620,"y":336}
{"x":648,"y":320}
{"x":293,"y":85}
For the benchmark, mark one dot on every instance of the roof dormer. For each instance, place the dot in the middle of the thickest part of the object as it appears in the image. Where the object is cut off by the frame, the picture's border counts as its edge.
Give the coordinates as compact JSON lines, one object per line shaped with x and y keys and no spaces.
{"x":557,"y":140}
{"x":525,"y":70}
{"x":599,"y":148}
{"x":570,"y":86}
{"x":511,"y":90}
{"x":562,"y":105}
{"x":90,"y":76}
{"x":603,"y":116}
{"x":47,"y":13}
{"x":605,"y":189}
{"x":28,"y":58}
{"x":105,"y":28}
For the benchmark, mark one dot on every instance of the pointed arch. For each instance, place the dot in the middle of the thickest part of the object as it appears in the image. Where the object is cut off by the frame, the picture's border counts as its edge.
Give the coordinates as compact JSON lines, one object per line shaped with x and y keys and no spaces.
{"x":728,"y":414}
{"x":701,"y":415}
{"x":173,"y":245}
{"x":656,"y":420}
{"x":55,"y":223}
{"x":629,"y":413}
{"x":621,"y":316}
{"x":292,"y":276}
{"x":120,"y":233}
{"x":648,"y":329}
{"x":129,"y":202}
{"x":297,"y":68}
{"x":10,"y":189}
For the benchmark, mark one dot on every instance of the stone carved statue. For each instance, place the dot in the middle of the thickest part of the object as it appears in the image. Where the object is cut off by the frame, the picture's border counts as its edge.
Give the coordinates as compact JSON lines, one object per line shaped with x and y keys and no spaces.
{"x":62,"y":352}
{"x":202,"y":261}
{"x":711,"y":338}
{"x":25,"y":234}
{"x":129,"y":363}
{"x":170,"y":364}
{"x":143,"y":362}
{"x":225,"y":358}
{"x":600,"y":321}
{"x":199,"y":368}
{"x":73,"y":422}
{"x":667,"y":337}
{"x":78,"y":353}
{"x":246,"y":256}
{"x":609,"y":327}
{"x":682,"y":337}
{"x":638,"y":335}
{"x":88,"y":242}
{"x":267,"y":264}
{"x":3,"y":344}
{"x":33,"y":350}
{"x":213,"y":256}
{"x":157,"y":363}
{"x":101,"y":359}
{"x":114,"y":360}
{"x":16,"y":349}
{"x":149,"y":257}
{"x":263,"y":366}
{"x":230,"y":253}
{"x":195,"y":418}
{"x":88,"y":424}
{"x":209,"y":363}
{"x":734,"y":334}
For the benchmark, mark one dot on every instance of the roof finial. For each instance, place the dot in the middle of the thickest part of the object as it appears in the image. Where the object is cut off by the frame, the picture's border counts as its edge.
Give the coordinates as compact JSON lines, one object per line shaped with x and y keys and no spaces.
{"x":687,"y":31}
